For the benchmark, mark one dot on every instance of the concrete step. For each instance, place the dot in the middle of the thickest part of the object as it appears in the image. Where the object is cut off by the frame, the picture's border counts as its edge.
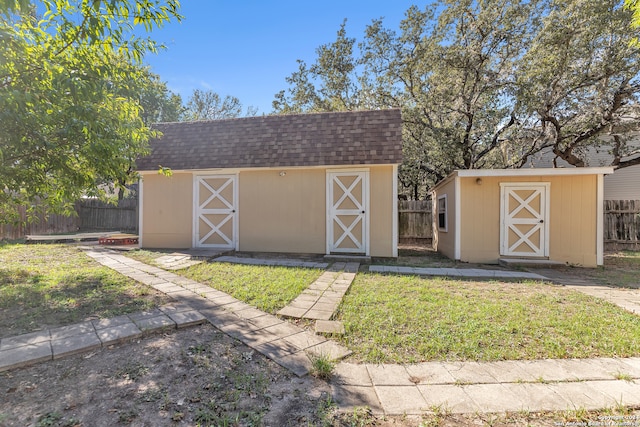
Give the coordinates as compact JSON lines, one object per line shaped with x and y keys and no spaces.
{"x":348,"y":258}
{"x":529,"y":262}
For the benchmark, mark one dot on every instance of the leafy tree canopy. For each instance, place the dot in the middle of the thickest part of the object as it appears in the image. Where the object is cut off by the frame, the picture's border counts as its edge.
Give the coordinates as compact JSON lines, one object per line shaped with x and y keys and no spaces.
{"x":71,"y":114}
{"x":209,"y":105}
{"x":486,"y":83}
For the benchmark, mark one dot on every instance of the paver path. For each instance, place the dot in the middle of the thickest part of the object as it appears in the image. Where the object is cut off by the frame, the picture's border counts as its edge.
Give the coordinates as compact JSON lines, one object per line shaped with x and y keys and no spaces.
{"x":628,"y":299}
{"x":64,"y":341}
{"x":321,"y":299}
{"x":459,"y":387}
{"x":470,"y":387}
{"x":271,"y":262}
{"x":284,"y":343}
{"x":456,"y":272}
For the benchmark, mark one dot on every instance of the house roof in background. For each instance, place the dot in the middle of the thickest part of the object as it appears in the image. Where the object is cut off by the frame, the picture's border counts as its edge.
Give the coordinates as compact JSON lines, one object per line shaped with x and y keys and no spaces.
{"x":345,"y":138}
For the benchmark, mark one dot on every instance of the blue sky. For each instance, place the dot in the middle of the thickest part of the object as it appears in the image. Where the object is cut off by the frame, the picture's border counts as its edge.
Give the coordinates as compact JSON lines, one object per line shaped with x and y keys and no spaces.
{"x":247,"y":48}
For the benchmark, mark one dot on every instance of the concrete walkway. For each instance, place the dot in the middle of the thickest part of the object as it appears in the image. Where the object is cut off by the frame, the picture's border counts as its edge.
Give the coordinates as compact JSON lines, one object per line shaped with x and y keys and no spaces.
{"x":322,"y":298}
{"x":464,"y":387}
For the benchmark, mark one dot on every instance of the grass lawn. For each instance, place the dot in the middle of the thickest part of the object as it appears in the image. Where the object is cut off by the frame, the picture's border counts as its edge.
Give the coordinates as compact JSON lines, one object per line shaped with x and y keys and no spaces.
{"x":44,"y":286}
{"x":266,"y":288}
{"x":408,"y":319}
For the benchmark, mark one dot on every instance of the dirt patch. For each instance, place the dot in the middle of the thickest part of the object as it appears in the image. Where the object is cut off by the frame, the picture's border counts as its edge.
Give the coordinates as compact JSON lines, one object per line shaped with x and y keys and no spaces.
{"x":201,"y":377}
{"x":196,"y":376}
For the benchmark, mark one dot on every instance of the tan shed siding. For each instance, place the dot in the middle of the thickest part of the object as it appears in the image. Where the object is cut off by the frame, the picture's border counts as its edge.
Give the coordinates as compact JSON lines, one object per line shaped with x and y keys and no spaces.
{"x":282,"y":213}
{"x":167,"y":211}
{"x":572,"y":232}
{"x":480,"y":220}
{"x":623,"y":184}
{"x":288,"y":213}
{"x":444,"y":241}
{"x":572,"y":223}
{"x":381,"y":211}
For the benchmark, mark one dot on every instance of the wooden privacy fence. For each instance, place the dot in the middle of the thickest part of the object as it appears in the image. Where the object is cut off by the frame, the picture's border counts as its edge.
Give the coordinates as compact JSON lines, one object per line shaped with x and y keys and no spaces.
{"x":622,"y":224}
{"x":414,"y":219}
{"x":53,"y":224}
{"x":92,"y":215}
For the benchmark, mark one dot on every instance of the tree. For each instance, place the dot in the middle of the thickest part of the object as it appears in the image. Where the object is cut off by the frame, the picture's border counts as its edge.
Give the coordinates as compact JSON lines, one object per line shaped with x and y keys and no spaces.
{"x":158,"y":103}
{"x":68,"y":119}
{"x":489,"y":83}
{"x":334,"y":72}
{"x":634,"y":7}
{"x":579,"y":82}
{"x":208,"y":105}
{"x":451,"y":74}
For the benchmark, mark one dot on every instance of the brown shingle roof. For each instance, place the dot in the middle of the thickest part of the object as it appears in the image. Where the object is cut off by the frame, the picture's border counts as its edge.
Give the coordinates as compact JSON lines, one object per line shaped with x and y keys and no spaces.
{"x":351,"y":138}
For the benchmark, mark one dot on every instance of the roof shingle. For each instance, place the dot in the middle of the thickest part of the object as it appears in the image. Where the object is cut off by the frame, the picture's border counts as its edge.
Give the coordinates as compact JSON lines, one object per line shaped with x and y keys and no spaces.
{"x":346,"y":138}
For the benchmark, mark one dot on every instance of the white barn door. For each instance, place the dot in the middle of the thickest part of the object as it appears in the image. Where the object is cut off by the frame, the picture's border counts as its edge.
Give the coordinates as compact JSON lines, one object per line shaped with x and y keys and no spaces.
{"x":215,"y":215}
{"x":348,"y":212}
{"x":524,"y":221}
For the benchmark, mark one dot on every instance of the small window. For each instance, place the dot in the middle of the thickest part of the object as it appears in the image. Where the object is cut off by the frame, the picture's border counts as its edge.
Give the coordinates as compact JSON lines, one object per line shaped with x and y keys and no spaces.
{"x":442,"y":212}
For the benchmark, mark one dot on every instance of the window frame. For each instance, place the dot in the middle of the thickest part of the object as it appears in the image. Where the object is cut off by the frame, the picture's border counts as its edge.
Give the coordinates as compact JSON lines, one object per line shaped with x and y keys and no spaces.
{"x":444,"y":212}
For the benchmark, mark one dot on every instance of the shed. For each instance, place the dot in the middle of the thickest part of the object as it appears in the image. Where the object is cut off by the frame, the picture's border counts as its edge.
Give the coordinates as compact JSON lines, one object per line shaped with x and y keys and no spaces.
{"x":308,"y":183}
{"x":486,"y":215}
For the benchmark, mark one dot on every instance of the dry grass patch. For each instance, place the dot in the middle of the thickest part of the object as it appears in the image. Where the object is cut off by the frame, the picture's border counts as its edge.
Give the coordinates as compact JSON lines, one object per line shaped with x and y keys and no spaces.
{"x":43,"y":286}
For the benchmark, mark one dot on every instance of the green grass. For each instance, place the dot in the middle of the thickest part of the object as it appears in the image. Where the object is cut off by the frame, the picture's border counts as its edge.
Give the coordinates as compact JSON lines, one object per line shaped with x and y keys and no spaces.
{"x":43,"y":286}
{"x":266,"y":288}
{"x":322,"y":367}
{"x":405,"y":319}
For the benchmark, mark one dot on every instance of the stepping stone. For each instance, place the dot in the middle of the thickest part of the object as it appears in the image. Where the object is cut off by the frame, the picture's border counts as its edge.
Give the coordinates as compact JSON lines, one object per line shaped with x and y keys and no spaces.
{"x":334,"y":327}
{"x":187,"y":318}
{"x":75,"y":344}
{"x":20,"y":340}
{"x":298,"y":363}
{"x":119,"y":333}
{"x":154,"y":323}
{"x":349,"y":397}
{"x":315,"y":314}
{"x":329,"y":349}
{"x":290,"y":311}
{"x":25,"y":355}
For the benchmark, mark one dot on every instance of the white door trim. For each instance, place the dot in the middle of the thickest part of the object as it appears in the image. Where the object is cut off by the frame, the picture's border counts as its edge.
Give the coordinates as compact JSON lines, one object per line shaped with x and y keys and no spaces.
{"x":540,"y":219}
{"x":394,"y":212}
{"x":333,"y":213}
{"x":231,"y":210}
{"x":600,"y":220}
